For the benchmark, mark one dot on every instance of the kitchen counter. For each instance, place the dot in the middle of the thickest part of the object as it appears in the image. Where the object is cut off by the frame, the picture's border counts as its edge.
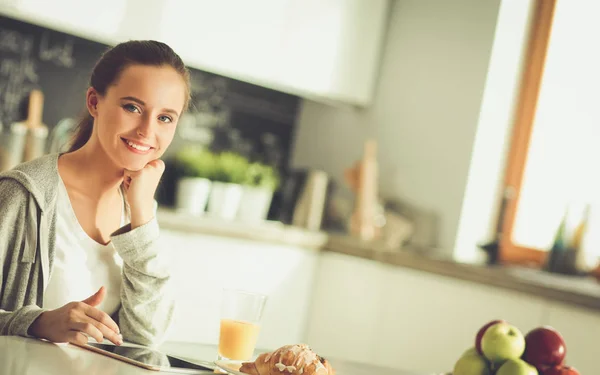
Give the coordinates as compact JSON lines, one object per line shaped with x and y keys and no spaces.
{"x":579,"y":291}
{"x":269,"y":231}
{"x":23,"y":356}
{"x":573,"y":290}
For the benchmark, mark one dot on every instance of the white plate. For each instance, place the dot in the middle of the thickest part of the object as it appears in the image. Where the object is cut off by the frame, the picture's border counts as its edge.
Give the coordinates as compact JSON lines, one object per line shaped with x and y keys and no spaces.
{"x":231,"y":367}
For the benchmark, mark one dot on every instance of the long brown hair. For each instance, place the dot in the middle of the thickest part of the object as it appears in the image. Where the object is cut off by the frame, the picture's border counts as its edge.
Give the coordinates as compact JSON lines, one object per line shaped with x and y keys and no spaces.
{"x":110,"y":65}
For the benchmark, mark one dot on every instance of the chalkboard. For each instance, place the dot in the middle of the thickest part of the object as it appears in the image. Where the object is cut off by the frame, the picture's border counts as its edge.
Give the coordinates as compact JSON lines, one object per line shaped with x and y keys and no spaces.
{"x":224,"y":113}
{"x":35,"y":57}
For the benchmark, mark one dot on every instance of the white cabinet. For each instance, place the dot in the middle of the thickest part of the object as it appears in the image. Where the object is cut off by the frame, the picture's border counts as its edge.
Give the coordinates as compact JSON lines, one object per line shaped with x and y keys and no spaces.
{"x":427,"y":321}
{"x":203,"y":265}
{"x":80,"y":18}
{"x":401,"y":318}
{"x":113,"y":22}
{"x":315,"y":48}
{"x":581,"y":329}
{"x":319,"y":49}
{"x":345,"y":307}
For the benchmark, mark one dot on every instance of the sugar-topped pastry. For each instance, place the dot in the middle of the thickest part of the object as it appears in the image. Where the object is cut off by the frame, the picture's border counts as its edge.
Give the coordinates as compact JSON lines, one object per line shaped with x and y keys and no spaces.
{"x":296,"y":359}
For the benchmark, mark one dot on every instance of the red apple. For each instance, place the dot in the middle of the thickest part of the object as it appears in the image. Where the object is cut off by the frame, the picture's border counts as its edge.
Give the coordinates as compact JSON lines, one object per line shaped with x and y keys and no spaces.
{"x":481,"y":332}
{"x":560,"y":370}
{"x":544,"y":347}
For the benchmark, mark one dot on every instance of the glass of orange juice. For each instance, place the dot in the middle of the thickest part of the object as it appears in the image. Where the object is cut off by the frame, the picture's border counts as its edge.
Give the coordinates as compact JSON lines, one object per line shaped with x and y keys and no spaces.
{"x":241,"y":312}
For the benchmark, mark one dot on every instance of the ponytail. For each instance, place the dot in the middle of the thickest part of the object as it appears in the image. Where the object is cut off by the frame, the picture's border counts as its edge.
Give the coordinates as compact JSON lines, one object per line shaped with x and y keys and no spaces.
{"x":83,"y":132}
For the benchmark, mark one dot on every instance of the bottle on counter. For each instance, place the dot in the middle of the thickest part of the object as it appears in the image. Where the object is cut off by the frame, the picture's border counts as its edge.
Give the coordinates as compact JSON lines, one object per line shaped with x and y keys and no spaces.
{"x":556,"y":257}
{"x":364,"y":180}
{"x":577,"y":258}
{"x":567,"y":255}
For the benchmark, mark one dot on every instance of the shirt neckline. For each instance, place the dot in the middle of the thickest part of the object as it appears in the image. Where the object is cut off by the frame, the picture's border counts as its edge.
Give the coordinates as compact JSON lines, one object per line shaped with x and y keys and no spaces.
{"x":71,"y":212}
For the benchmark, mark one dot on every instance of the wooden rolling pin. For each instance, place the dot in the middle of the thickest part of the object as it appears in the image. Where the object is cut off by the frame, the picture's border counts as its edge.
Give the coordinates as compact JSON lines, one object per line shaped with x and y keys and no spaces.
{"x":37,"y":132}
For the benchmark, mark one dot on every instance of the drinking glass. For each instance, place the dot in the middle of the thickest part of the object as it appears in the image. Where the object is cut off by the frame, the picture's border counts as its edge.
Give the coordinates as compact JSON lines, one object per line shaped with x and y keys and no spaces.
{"x":241,"y":312}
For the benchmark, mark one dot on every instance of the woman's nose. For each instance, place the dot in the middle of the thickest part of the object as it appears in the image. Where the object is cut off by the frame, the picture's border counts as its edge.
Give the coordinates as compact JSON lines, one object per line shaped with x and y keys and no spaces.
{"x":145,"y":128}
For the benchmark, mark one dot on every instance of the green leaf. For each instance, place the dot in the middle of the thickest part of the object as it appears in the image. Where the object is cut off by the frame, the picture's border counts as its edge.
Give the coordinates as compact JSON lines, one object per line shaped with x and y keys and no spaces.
{"x":196,"y":162}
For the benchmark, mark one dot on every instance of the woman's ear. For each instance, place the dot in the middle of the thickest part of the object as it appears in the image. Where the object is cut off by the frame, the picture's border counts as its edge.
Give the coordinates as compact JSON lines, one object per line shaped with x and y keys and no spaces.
{"x":92,"y":97}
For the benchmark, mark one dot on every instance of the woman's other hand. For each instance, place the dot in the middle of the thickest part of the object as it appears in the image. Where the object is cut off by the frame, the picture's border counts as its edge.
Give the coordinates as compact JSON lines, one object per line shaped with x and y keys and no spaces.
{"x":140,"y":187}
{"x":74,"y":320}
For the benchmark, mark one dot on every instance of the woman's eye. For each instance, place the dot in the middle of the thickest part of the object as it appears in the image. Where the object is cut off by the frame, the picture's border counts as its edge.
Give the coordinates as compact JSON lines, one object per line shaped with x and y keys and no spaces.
{"x":165,"y":119}
{"x":131,"y":108}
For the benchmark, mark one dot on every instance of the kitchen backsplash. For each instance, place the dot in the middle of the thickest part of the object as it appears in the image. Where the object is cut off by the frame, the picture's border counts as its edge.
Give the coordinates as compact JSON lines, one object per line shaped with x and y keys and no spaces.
{"x":225,"y":114}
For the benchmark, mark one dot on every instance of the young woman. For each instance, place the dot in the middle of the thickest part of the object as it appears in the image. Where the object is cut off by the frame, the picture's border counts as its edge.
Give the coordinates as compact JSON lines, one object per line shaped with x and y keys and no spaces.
{"x":78,"y":236}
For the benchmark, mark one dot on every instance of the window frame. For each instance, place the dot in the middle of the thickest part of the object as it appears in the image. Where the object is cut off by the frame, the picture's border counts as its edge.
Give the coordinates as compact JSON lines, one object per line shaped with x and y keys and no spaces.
{"x":541,"y":29}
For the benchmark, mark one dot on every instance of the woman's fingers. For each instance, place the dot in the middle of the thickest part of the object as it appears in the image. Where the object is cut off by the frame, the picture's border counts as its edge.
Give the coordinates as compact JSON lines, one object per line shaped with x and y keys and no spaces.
{"x":106,"y":332}
{"x":76,"y":337}
{"x":87,"y":328}
{"x":104,"y":324}
{"x":127,"y":174}
{"x":157,"y":164}
{"x":96,"y":298}
{"x":101,"y":317}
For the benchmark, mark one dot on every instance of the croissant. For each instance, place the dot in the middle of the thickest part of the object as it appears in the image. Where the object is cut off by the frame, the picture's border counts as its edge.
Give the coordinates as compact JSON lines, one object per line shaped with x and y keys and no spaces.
{"x":289,"y":360}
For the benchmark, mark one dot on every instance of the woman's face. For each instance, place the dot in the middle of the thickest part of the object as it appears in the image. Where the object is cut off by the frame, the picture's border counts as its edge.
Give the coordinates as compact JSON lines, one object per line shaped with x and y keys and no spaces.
{"x":135,"y":120}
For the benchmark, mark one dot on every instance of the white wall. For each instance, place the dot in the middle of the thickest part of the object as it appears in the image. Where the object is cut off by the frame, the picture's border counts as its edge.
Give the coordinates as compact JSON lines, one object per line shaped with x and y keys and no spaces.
{"x":485,"y":181}
{"x":425,"y":111}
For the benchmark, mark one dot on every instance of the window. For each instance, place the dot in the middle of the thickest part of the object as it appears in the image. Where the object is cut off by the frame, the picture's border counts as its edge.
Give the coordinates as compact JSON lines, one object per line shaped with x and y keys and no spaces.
{"x":554,"y":163}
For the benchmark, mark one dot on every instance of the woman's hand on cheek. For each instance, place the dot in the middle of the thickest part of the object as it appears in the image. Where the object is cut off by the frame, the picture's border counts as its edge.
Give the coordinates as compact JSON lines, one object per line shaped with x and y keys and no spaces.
{"x":140,"y":187}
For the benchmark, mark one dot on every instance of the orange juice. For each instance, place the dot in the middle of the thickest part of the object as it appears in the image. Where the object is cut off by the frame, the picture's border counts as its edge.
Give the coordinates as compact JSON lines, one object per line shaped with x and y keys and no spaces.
{"x":237,"y":339}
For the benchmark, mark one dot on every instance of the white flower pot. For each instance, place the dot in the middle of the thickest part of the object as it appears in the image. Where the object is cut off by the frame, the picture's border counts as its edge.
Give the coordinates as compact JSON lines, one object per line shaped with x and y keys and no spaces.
{"x":192,"y":195}
{"x":224,"y":200}
{"x":255,"y":204}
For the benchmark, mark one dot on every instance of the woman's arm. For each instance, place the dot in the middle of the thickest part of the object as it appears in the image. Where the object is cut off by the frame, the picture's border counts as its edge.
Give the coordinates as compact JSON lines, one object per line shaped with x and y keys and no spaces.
{"x":15,"y":316}
{"x":146,"y":300}
{"x":20,"y":246}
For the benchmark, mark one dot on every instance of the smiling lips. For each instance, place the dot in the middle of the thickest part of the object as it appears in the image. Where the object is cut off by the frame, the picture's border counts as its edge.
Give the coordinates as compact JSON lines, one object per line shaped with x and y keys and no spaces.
{"x":136,"y":147}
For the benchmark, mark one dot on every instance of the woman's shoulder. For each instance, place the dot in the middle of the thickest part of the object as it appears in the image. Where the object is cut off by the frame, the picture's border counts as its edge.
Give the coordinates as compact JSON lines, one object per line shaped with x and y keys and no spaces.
{"x":38,"y":178}
{"x":11,"y":188}
{"x":39,"y":169}
{"x":13,"y":195}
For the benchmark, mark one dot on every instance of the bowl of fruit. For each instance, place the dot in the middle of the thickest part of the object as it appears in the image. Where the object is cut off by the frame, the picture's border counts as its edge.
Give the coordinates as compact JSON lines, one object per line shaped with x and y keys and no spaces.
{"x":502,"y":349}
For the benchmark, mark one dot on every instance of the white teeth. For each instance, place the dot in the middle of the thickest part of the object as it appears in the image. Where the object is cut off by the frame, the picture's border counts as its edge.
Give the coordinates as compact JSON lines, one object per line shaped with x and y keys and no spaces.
{"x":138,"y":147}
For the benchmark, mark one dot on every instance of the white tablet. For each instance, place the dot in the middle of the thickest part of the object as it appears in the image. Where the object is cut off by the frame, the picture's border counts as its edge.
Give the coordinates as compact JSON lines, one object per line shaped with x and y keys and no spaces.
{"x":150,"y":359}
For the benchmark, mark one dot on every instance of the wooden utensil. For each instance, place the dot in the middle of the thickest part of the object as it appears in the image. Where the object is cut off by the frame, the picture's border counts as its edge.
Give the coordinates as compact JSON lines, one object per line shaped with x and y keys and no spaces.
{"x":37,"y":132}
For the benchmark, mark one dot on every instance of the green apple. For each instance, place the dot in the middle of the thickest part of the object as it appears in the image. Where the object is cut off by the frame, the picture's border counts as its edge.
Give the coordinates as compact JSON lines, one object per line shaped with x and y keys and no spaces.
{"x":516,"y":367}
{"x":501,"y":342}
{"x":471,"y":363}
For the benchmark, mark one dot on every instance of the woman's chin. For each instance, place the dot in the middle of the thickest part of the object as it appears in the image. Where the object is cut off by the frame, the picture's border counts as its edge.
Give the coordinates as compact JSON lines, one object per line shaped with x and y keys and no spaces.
{"x":134,"y":165}
{"x":133,"y":162}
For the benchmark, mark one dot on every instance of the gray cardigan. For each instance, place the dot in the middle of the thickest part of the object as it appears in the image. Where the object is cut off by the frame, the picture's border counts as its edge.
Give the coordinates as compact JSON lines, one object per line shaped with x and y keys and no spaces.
{"x":27,"y":247}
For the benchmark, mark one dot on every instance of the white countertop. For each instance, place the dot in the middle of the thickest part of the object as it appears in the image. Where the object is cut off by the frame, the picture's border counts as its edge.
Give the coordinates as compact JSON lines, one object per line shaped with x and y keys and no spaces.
{"x":269,"y":231}
{"x":24,"y":356}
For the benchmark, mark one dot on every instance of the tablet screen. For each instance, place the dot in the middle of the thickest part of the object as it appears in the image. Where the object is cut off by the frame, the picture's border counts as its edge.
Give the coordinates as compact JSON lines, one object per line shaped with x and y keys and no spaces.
{"x":149,"y":357}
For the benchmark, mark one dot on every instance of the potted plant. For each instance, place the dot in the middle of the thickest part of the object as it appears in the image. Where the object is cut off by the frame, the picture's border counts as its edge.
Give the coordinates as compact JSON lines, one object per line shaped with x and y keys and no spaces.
{"x":195,"y":168}
{"x":260,"y":184}
{"x":226,"y":192}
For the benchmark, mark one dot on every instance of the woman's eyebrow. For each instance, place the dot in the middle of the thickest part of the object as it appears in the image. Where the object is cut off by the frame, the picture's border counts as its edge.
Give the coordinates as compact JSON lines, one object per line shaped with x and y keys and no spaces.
{"x":133,"y":99}
{"x":141,"y":102}
{"x":172,"y":111}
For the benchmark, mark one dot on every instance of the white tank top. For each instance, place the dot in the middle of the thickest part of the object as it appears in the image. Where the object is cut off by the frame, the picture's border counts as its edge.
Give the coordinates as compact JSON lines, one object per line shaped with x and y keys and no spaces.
{"x":81,"y":265}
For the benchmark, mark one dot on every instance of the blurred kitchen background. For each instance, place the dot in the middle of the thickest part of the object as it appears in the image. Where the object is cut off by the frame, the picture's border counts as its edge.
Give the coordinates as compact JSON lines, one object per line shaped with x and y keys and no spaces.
{"x":393,"y":173}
